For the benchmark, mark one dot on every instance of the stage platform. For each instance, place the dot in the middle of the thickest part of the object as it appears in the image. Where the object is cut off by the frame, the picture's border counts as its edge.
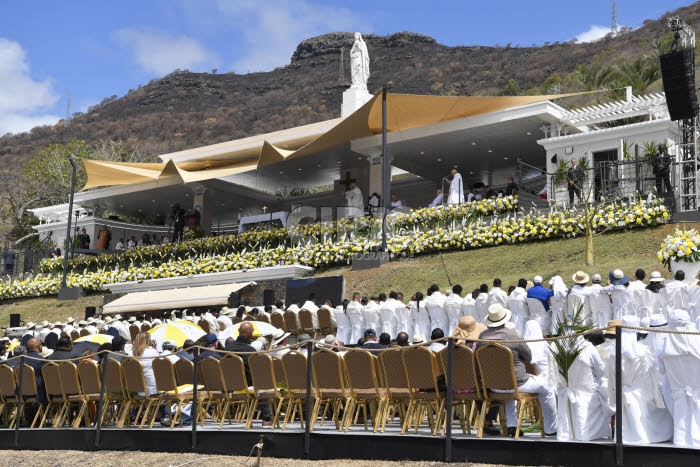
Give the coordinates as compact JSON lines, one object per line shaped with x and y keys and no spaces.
{"x":325,"y":442}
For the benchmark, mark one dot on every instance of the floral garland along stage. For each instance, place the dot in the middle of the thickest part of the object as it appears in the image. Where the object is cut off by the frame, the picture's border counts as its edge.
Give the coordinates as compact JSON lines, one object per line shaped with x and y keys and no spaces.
{"x":457,"y":234}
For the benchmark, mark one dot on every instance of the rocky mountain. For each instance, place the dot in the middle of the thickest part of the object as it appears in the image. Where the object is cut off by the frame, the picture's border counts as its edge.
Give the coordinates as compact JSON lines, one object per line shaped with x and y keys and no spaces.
{"x":184,"y":109}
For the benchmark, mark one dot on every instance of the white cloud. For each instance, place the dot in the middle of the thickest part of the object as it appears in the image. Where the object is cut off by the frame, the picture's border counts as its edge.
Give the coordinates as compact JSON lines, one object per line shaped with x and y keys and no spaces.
{"x":160,"y":53}
{"x":594,"y":33}
{"x":272,"y":28}
{"x":23,"y":101}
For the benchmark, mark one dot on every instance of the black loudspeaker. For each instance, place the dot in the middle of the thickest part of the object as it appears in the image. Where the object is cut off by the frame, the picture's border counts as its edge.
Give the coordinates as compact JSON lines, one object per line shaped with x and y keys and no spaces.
{"x":324,"y":287}
{"x":678,"y":73}
{"x":14,"y":320}
{"x":90,"y":312}
{"x":234,"y":300}
{"x":268,"y":297}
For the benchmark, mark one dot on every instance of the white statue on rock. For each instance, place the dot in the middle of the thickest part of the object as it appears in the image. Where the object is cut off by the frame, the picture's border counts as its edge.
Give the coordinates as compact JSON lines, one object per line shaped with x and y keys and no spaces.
{"x":359,"y":63}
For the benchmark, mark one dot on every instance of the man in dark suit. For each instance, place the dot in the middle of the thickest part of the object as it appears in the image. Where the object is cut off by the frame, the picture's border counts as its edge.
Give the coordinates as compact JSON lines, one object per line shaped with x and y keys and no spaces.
{"x":662,"y":170}
{"x":36,"y":361}
{"x":575,"y":178}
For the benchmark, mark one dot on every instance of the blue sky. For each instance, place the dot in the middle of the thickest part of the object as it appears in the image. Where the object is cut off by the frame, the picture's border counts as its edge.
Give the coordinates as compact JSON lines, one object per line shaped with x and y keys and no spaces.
{"x":97,"y":49}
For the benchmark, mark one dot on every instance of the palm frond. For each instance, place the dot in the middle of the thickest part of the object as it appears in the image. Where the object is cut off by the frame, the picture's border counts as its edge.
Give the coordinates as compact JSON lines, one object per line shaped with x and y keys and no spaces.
{"x":567,"y":349}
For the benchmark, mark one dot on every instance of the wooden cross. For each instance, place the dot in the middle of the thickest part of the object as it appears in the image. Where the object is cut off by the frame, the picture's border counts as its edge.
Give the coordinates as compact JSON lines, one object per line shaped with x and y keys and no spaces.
{"x":347,"y":180}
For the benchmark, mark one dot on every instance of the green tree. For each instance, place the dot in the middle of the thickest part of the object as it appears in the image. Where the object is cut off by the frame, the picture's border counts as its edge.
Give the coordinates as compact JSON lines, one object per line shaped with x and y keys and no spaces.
{"x":511,"y":89}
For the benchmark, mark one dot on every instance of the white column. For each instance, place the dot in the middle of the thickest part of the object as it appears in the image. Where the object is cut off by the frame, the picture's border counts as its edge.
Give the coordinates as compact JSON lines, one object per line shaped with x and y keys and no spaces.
{"x":203,"y":202}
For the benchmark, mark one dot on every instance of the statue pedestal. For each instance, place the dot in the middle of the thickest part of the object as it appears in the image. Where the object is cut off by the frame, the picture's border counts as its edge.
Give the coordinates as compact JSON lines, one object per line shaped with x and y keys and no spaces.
{"x":353,"y":99}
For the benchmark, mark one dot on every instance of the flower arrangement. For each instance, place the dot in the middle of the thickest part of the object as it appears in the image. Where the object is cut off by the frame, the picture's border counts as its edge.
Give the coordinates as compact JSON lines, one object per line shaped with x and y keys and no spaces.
{"x":324,"y":245}
{"x":682,"y":245}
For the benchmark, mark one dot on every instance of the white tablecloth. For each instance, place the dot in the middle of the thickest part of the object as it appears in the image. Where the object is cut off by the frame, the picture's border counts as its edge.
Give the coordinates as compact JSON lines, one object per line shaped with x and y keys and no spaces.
{"x":248,"y":220}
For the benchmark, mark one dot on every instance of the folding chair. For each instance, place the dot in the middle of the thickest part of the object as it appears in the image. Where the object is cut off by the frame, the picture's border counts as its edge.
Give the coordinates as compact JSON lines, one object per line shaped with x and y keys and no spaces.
{"x":331,"y":386}
{"x":365,"y":390}
{"x":421,"y":369}
{"x":265,"y":388}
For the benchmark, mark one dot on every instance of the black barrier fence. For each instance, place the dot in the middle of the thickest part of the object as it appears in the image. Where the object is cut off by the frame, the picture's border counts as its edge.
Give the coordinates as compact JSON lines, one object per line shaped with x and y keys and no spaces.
{"x":506,"y":387}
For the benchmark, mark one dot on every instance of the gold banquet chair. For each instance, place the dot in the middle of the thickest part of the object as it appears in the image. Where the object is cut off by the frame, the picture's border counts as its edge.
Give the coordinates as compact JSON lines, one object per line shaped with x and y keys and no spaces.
{"x":295,"y":364}
{"x":73,"y":393}
{"x":394,"y":381}
{"x":365,"y":390}
{"x":170,"y":393}
{"x":135,"y":384}
{"x":115,"y":394}
{"x":330,"y":382}
{"x":8,"y":395}
{"x":465,"y":384}
{"x":54,"y":395}
{"x":265,"y":388}
{"x":421,"y":367}
{"x":238,"y":394}
{"x":497,"y":371}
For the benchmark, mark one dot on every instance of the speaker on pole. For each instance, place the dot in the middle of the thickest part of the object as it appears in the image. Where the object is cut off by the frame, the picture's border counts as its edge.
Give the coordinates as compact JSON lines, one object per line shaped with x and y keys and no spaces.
{"x":90,"y":312}
{"x":678,"y":74}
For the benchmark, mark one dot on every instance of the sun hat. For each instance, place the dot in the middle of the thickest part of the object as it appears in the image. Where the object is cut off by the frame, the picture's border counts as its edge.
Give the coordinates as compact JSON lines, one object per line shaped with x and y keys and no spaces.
{"x":330,"y":340}
{"x":82,"y":323}
{"x":45,"y":323}
{"x":117,"y":316}
{"x":611,"y":329}
{"x":279,"y":335}
{"x":417,"y":340}
{"x":596,"y":279}
{"x":617,"y":277}
{"x":498,"y":316}
{"x":91,"y":320}
{"x":132,"y":319}
{"x":656,"y":277}
{"x":70,"y":320}
{"x":58,"y":324}
{"x":108,"y":319}
{"x":30,"y":325}
{"x":580,"y":278}
{"x":658,"y":321}
{"x":468,"y":329}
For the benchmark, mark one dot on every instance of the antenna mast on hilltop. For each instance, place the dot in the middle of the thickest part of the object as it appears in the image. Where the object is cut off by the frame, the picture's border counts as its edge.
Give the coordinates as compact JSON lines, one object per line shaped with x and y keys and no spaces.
{"x":613,"y":30}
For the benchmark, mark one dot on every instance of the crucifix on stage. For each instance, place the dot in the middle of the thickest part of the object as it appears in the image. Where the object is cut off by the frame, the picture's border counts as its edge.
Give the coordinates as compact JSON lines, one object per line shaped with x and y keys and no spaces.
{"x":347,"y":181}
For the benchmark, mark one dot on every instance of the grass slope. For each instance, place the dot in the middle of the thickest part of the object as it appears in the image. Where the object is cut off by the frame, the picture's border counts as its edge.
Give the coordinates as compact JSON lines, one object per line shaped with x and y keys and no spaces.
{"x":624,"y":250}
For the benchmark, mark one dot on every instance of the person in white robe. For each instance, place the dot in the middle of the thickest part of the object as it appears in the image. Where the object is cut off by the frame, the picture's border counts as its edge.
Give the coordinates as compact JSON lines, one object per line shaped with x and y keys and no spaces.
{"x":354,"y":201}
{"x":453,"y":308}
{"x":211,"y":319}
{"x":645,"y":418}
{"x":437,"y":201}
{"x":558,"y":300}
{"x":656,"y":342}
{"x":456,"y":189}
{"x":681,"y":359}
{"x":356,"y":318}
{"x":583,"y":408}
{"x":419,"y":313}
{"x":497,"y":294}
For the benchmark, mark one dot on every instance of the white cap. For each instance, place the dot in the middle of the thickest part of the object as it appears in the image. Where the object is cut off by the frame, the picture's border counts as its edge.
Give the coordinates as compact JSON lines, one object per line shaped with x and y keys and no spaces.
{"x":537,"y":280}
{"x":595,"y":278}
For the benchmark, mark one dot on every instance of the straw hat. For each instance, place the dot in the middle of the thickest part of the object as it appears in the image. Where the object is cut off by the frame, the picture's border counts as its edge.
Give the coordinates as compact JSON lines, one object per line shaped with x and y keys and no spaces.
{"x":468,"y":329}
{"x":30,"y":325}
{"x":580,"y":278}
{"x":611,"y":329}
{"x":132,"y":319}
{"x":656,"y":277}
{"x":279,"y":335}
{"x":498,"y":316}
{"x":108,"y":319}
{"x":417,"y":340}
{"x":70,"y":320}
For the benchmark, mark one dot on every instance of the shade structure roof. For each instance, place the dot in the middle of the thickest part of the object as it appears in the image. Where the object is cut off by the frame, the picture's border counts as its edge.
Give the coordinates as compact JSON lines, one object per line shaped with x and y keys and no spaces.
{"x":407,"y":112}
{"x":210,"y":295}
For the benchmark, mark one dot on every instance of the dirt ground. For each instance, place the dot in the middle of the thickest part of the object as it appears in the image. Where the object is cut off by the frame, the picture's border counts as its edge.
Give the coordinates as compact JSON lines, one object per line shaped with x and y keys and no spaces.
{"x":150,"y":459}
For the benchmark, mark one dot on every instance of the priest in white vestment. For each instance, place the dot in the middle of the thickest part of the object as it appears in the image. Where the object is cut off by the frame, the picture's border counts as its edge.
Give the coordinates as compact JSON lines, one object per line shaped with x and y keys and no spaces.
{"x":354,"y":201}
{"x":645,"y":418}
{"x":456,"y":189}
{"x":583,"y":408}
{"x":681,"y":358}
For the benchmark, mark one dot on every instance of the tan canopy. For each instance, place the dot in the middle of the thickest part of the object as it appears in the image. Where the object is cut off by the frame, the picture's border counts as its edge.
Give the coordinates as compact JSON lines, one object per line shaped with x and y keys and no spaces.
{"x":404,"y":111}
{"x":171,"y":299}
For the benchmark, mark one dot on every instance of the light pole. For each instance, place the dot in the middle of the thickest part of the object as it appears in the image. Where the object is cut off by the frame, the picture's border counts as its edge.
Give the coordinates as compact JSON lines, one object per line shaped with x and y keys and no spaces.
{"x":68,"y":227}
{"x":385,"y":171}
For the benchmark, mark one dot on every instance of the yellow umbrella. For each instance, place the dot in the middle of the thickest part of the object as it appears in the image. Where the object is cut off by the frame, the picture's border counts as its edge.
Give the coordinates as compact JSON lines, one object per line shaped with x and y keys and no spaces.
{"x":260,"y":328}
{"x":12,"y":346}
{"x":96,"y":339}
{"x":177,"y":331}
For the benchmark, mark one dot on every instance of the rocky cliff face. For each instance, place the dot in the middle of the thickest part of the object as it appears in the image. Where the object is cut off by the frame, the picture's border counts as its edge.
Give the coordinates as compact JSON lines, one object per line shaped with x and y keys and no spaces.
{"x":184,"y":110}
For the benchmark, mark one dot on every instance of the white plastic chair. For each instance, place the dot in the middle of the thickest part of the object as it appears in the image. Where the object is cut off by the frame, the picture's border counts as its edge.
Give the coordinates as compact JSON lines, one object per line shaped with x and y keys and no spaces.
{"x":644,"y":302}
{"x":453,"y":310}
{"x":481,"y":307}
{"x":693,"y":302}
{"x":674,"y":297}
{"x":469,"y":308}
{"x":344,"y":331}
{"x":574,"y":302}
{"x":372,"y":319}
{"x":389,"y":321}
{"x":521,"y":314}
{"x":405,"y":321}
{"x":438,"y":318}
{"x":539,"y":314}
{"x":622,"y":303}
{"x":604,"y":310}
{"x":357,"y":324}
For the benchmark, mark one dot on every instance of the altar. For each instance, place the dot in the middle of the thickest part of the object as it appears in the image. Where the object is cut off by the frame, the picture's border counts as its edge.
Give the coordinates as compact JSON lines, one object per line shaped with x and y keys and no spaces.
{"x":268,"y":217}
